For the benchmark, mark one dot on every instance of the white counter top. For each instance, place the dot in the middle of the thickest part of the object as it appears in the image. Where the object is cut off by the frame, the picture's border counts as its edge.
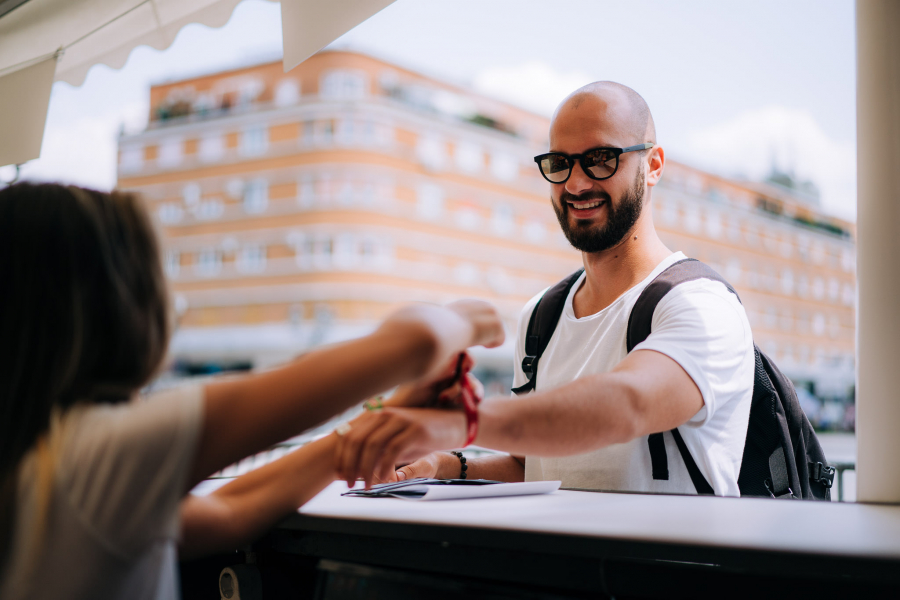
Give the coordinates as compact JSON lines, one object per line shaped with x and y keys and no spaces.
{"x":840,"y":529}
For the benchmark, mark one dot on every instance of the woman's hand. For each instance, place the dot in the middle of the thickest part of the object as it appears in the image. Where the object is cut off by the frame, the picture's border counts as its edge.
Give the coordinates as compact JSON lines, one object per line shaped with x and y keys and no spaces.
{"x":444,"y":332}
{"x":378,"y":440}
{"x":485,"y":320}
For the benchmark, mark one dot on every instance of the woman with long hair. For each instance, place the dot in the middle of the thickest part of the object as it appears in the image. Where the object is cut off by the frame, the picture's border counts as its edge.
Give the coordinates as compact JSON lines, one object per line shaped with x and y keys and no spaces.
{"x":94,"y":480}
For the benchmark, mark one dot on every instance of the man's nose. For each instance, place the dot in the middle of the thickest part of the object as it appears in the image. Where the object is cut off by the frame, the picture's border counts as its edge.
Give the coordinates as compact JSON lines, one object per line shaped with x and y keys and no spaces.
{"x":578,"y":182}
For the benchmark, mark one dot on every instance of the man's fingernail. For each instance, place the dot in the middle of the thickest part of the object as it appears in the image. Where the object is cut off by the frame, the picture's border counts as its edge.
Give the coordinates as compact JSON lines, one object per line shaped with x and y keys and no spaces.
{"x":401,"y":476}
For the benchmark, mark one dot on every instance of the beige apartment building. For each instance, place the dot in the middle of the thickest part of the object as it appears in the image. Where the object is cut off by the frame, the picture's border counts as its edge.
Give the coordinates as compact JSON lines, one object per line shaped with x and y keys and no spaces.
{"x":298,"y":208}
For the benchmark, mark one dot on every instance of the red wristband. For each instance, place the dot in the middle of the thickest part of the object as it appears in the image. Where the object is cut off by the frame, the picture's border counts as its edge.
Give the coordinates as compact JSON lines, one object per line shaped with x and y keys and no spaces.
{"x":470,"y":404}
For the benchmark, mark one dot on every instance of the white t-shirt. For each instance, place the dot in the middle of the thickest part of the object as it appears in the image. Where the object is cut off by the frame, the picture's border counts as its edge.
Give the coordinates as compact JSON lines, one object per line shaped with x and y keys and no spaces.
{"x":701,"y":326}
{"x":112,"y":525}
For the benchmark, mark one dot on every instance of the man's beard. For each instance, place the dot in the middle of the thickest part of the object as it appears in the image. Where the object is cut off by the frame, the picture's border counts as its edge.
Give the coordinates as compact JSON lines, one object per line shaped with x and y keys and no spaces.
{"x":620,"y":220}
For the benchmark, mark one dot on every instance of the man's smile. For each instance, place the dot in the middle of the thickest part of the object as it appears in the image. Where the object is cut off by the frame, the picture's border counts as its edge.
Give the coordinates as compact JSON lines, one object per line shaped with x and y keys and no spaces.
{"x":585,"y":209}
{"x":588,"y":204}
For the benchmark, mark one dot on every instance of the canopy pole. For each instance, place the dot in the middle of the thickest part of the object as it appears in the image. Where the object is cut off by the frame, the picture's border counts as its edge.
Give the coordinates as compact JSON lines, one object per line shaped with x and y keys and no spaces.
{"x":878,"y":250}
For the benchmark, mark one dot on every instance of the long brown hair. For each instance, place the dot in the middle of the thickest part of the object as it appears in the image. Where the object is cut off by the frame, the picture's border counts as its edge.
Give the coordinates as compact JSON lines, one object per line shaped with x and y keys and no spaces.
{"x":83,"y":312}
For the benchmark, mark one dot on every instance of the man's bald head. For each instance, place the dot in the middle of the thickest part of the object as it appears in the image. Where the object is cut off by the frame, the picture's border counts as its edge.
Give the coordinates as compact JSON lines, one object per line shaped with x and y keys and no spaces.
{"x":617,"y":99}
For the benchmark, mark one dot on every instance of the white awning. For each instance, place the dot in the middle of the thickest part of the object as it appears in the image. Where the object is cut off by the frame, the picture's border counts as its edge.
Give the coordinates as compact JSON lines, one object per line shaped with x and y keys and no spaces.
{"x":89,"y":32}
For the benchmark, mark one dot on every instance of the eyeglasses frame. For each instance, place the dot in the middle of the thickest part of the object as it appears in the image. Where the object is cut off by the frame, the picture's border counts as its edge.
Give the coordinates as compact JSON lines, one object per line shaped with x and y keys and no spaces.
{"x":571,"y":158}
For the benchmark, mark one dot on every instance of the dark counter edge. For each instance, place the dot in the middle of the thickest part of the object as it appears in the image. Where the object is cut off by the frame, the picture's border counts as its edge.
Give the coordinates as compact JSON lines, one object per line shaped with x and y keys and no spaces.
{"x":576,"y":562}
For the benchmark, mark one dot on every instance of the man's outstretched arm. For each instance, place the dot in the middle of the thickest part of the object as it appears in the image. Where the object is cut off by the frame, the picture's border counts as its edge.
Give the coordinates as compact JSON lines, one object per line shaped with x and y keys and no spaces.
{"x":646,"y":393}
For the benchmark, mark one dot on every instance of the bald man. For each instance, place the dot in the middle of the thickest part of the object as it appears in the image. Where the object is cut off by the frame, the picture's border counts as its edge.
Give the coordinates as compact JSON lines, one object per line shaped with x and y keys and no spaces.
{"x":587,"y":423}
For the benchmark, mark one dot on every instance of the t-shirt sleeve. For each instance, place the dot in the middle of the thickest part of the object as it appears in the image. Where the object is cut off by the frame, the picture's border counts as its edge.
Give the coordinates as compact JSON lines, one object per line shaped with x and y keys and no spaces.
{"x":703,"y":327}
{"x":126,"y":466}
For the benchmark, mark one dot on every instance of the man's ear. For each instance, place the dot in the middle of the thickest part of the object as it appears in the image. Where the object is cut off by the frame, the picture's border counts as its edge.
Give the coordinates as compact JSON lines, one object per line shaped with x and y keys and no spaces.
{"x":656,"y":160}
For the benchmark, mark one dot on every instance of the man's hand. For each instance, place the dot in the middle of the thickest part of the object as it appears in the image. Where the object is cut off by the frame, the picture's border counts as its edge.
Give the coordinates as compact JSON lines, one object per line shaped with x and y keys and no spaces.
{"x":379,"y":440}
{"x":444,"y":390}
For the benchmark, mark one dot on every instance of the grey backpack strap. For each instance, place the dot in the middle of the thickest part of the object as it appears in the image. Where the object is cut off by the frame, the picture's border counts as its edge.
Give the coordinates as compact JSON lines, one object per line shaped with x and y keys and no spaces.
{"x":639,"y":323}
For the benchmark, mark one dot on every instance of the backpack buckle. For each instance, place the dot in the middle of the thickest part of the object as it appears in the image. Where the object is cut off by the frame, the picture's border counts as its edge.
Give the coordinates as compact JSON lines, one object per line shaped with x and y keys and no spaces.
{"x":528,"y":364}
{"x":820,"y":473}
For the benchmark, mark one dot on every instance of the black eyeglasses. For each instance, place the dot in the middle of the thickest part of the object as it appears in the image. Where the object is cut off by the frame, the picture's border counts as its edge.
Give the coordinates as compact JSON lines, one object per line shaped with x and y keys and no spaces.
{"x":597,"y":163}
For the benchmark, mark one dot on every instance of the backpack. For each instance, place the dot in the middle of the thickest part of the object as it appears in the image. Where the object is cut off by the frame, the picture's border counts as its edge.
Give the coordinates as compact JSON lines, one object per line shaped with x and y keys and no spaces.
{"x":782,"y":456}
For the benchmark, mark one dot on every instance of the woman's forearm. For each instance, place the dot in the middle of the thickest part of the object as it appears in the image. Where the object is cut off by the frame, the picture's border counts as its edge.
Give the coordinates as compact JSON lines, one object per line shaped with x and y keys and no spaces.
{"x":242,"y":510}
{"x":245,"y":415}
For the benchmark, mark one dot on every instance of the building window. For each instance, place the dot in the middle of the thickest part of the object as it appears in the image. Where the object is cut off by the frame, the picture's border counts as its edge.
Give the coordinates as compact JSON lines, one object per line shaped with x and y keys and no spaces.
{"x":170,"y":213}
{"x":535,"y":231}
{"x":848,"y":260}
{"x":692,"y":219}
{"x":254,"y":141}
{"x":309,"y":133}
{"x":346,"y":129}
{"x":713,"y":225}
{"x":834,"y":290}
{"x":132,"y":158}
{"x":503,"y":166}
{"x":306,"y":191}
{"x":325,"y":132}
{"x":787,"y":282}
{"x":256,"y":196}
{"x":345,"y":194}
{"x":818,"y":288}
{"x":171,"y":152}
{"x":467,"y":217}
{"x":848,"y":297}
{"x":431,"y":151}
{"x":212,"y":148}
{"x":344,"y":84}
{"x":503,"y":220}
{"x":345,"y":253}
{"x":235,"y":188}
{"x":670,"y":213}
{"x":431,"y":201}
{"x":191,"y":194}
{"x":251,"y":259}
{"x":172,"y":263}
{"x":733,"y":271}
{"x":818,"y":324}
{"x":287,"y":93}
{"x":466,"y":274}
{"x":209,"y":263}
{"x":210,"y":210}
{"x":469,"y":157}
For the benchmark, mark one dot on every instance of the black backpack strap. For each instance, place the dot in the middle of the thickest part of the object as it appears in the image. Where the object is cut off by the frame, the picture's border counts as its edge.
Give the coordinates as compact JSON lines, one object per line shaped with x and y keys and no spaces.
{"x":541,"y":326}
{"x":639,"y":323}
{"x":700,"y":484}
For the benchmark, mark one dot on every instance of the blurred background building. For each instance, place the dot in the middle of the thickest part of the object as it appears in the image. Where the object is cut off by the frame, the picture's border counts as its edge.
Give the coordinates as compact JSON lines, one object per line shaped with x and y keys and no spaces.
{"x":298,"y":209}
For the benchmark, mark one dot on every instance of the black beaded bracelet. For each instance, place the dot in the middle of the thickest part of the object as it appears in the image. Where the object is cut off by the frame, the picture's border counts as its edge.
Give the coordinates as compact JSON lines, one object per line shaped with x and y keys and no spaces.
{"x":463,"y":467}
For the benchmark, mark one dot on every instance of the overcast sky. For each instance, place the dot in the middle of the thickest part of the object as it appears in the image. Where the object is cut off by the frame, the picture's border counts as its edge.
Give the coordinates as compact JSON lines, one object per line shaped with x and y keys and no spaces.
{"x":733,"y":86}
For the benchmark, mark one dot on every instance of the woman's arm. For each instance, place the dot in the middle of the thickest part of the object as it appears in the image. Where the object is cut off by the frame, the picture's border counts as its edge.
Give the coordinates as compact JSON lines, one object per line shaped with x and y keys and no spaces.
{"x":248,"y":414}
{"x":242,"y":510}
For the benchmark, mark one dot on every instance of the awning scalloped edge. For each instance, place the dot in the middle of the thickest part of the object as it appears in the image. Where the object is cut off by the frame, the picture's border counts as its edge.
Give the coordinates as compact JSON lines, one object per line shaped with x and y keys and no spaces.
{"x":214,"y":16}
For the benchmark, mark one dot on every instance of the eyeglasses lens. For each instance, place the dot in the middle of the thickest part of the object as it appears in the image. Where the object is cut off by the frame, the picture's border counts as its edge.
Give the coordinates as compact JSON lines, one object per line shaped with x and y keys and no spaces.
{"x":601,"y":163}
{"x":555,"y":168}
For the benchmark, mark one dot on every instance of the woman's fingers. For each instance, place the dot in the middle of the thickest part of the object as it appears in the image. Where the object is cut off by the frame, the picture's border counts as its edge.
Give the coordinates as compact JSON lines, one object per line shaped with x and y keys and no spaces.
{"x":371,"y":450}
{"x":487,"y":328}
{"x":349,"y":443}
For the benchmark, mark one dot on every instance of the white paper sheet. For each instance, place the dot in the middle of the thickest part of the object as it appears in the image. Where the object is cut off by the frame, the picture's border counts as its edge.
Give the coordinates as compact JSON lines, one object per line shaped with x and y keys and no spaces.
{"x":460,"y":492}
